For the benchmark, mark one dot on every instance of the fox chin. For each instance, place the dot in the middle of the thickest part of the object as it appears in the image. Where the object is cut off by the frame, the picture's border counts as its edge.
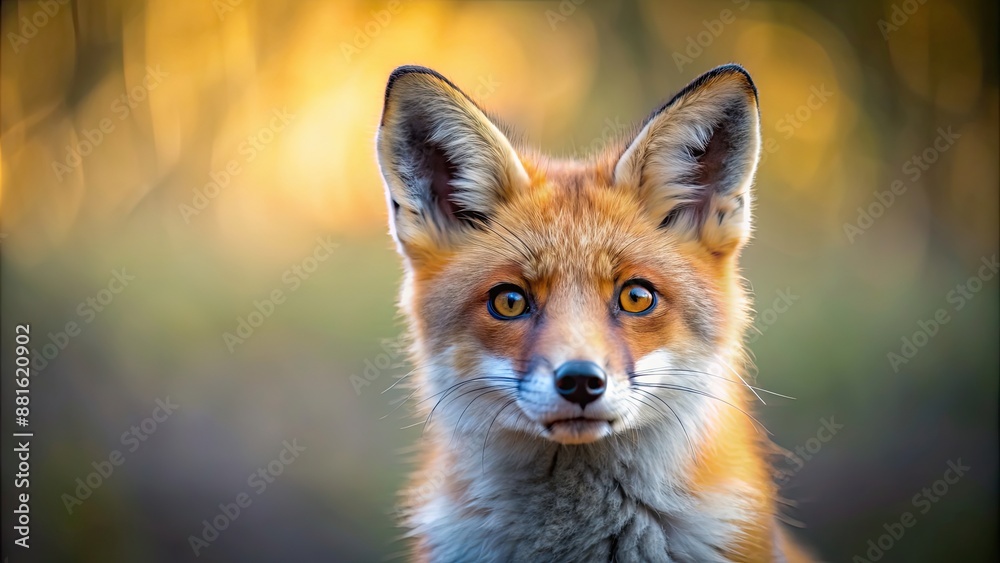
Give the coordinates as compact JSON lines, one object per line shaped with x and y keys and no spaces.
{"x":578,"y":333}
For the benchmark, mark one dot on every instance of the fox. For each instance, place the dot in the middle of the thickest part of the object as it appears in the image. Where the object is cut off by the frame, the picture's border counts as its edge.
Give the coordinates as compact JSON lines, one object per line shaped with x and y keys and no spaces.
{"x":576,"y":331}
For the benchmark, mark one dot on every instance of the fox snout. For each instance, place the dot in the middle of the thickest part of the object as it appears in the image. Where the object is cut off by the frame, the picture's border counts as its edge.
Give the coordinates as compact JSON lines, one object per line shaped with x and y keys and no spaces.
{"x":574,"y":401}
{"x":580,"y":381}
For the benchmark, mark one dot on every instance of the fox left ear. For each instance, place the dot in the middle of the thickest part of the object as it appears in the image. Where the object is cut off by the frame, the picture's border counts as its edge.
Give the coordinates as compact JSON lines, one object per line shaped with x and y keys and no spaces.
{"x":695,"y":157}
{"x":446,"y":166}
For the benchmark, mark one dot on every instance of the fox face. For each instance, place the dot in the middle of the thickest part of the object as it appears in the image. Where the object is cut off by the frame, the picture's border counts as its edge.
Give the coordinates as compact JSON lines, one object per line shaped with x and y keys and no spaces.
{"x":572,"y":301}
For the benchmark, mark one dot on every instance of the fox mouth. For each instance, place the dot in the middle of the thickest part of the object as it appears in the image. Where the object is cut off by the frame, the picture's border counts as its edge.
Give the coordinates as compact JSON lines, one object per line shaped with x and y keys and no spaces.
{"x":578,"y":430}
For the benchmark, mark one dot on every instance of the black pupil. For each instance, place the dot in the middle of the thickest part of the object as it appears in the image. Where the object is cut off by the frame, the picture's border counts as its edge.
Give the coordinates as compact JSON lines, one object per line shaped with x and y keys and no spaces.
{"x":512,"y":299}
{"x":637,"y":294}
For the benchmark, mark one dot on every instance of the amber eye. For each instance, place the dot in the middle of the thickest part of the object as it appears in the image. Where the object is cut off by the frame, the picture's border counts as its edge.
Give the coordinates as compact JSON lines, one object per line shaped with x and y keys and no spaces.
{"x":507,"y":301}
{"x":636,"y":297}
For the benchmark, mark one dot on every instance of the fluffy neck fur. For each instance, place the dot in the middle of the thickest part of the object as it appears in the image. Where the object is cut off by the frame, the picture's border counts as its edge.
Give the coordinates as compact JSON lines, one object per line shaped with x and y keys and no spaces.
{"x":639,"y":496}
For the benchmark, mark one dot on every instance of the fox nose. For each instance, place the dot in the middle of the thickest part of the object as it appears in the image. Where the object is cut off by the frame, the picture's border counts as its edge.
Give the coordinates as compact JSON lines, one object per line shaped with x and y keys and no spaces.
{"x":580,"y":382}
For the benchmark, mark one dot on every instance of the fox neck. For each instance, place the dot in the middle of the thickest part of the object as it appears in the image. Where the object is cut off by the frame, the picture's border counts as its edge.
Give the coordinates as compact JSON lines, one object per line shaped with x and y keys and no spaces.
{"x":651,"y":487}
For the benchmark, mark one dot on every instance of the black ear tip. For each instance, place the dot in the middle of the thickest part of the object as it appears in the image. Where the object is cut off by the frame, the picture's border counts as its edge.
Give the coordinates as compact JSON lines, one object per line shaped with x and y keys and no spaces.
{"x":401,"y":71}
{"x":731,"y":70}
{"x":406,"y":70}
{"x":734,"y":69}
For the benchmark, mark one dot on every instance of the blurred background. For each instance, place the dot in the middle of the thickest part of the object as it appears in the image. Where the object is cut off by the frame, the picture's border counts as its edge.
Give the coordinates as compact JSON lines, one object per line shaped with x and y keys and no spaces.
{"x":191,"y":215}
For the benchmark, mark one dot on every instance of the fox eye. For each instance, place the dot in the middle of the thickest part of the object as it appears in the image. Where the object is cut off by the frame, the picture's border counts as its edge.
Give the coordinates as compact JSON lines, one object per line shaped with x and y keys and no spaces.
{"x":637,"y":297}
{"x":507,"y":301}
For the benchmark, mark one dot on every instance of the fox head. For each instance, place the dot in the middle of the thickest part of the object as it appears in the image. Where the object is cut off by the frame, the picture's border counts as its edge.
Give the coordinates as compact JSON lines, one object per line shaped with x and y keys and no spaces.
{"x":570,"y":301}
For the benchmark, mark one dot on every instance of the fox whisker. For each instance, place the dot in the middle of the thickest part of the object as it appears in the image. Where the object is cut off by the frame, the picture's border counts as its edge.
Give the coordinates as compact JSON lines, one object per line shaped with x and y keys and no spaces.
{"x":401,"y":403}
{"x":408,"y":374}
{"x":490,"y":429}
{"x":737,"y":374}
{"x":702,"y":393}
{"x":487,"y":391}
{"x":444,"y":394}
{"x":687,"y":437}
{"x":682,"y":371}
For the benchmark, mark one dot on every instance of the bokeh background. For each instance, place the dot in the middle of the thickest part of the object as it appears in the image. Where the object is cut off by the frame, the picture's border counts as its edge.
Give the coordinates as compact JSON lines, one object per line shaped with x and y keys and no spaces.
{"x":208,"y":148}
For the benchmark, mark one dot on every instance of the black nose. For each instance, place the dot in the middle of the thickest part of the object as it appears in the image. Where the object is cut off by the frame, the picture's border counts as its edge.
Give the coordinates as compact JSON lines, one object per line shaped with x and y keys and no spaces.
{"x":580,"y":382}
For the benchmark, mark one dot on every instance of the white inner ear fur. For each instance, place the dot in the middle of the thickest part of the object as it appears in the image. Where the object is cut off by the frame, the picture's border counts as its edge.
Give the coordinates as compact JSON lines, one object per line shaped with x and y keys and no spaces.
{"x":660,"y":164}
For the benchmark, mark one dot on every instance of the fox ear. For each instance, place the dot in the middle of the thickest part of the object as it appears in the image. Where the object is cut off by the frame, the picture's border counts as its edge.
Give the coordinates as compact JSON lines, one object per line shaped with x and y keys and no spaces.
{"x":694,"y":160}
{"x":446,"y":166}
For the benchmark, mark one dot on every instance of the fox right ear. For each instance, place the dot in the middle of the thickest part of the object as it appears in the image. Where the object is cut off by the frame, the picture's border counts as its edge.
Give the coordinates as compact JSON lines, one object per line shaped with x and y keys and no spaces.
{"x":694,"y":160}
{"x":446,"y":166}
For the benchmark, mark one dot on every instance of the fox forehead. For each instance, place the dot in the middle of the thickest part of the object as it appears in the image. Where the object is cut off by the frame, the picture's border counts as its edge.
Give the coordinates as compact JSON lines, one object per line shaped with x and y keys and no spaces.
{"x":577,"y":227}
